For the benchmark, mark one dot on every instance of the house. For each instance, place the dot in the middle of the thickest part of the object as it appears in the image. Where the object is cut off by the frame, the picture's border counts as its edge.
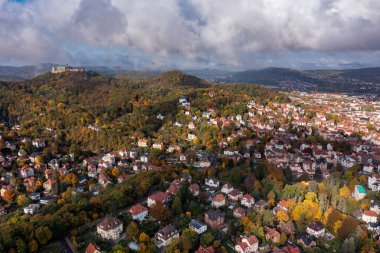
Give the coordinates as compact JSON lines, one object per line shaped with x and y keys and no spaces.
{"x":306,"y":240}
{"x":158,"y":145}
{"x":239,"y":212}
{"x":247,"y":200}
{"x":38,"y":143}
{"x":104,"y":180}
{"x":49,"y":185}
{"x":315,"y":229}
{"x":375,"y":206}
{"x":165,"y":235}
{"x":92,"y":248}
{"x":31,"y":209}
{"x":369,"y":216}
{"x":194,"y":189}
{"x":271,"y":235}
{"x":143,"y":143}
{"x":359,"y":192}
{"x":35,"y":196}
{"x":374,"y":182}
{"x":218,"y":201}
{"x":110,"y":228}
{"x":138,"y":212}
{"x":212,"y":182}
{"x":198,"y":226}
{"x":227,"y":188}
{"x":287,"y":227}
{"x":158,"y":197}
{"x":247,"y":245}
{"x":214,"y":219}
{"x":235,"y":195}
{"x":201,"y":249}
{"x":45,"y":200}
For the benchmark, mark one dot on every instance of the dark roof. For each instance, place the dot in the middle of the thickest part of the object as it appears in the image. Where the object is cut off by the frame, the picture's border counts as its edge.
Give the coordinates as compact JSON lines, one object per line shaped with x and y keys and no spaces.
{"x":109,"y":223}
{"x":214,"y":215}
{"x":316,"y":226}
{"x":305,"y":238}
{"x":196,"y":224}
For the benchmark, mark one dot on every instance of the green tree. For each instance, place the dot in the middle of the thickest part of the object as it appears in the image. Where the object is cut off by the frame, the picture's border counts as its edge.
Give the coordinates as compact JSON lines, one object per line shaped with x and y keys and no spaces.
{"x":132,"y":230}
{"x":43,"y":235}
{"x":206,"y":239}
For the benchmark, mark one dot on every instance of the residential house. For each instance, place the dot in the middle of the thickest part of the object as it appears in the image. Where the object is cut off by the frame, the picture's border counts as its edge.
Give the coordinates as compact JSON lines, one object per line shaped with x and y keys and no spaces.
{"x":194,"y":189}
{"x":369,"y":216}
{"x":239,"y":212}
{"x":375,"y":206}
{"x":247,"y":200}
{"x":218,"y":201}
{"x":165,"y":235}
{"x":271,"y":235}
{"x":227,"y":188}
{"x":198,"y":226}
{"x":92,"y":248}
{"x":158,"y":197}
{"x":31,"y":209}
{"x":104,"y":180}
{"x":158,"y":145}
{"x":315,"y":229}
{"x":306,"y":240}
{"x":201,"y":249}
{"x":212,"y":182}
{"x":110,"y":228}
{"x":142,"y":143}
{"x":235,"y":195}
{"x":247,"y":245}
{"x":49,"y":185}
{"x":3,"y":211}
{"x":138,"y":212}
{"x":214,"y":219}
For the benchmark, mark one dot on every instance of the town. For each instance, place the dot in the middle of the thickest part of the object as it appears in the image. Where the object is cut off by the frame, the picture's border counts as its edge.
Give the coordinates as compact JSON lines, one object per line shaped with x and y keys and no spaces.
{"x":292,"y":176}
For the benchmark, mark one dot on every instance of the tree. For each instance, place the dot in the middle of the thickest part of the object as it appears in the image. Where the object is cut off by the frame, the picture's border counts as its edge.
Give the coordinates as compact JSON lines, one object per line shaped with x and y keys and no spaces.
{"x":348,"y":245}
{"x":22,"y":200}
{"x":282,"y":216}
{"x":33,"y":246}
{"x":21,"y":246}
{"x":132,"y":230}
{"x":43,"y":235}
{"x":349,"y":226}
{"x":268,"y":218}
{"x":345,"y":191}
{"x":8,"y":196}
{"x":206,"y":239}
{"x":160,"y":212}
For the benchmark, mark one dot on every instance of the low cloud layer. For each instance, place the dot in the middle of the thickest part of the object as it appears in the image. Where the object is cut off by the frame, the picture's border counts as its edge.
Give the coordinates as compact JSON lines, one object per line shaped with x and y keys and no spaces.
{"x":191,"y":33}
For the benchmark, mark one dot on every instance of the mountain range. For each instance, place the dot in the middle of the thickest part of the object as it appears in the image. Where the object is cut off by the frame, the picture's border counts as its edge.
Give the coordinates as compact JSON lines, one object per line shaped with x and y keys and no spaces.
{"x":365,"y":80}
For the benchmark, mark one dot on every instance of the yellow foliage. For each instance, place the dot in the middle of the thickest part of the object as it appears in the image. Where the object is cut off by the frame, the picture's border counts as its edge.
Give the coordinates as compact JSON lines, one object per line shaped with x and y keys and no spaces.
{"x":337,"y":226}
{"x":282,"y":216}
{"x":345,"y":191}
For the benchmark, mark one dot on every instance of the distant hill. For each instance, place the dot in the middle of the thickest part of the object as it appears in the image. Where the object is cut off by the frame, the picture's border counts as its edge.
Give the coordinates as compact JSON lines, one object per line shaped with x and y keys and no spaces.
{"x":11,"y":73}
{"x":177,"y":78}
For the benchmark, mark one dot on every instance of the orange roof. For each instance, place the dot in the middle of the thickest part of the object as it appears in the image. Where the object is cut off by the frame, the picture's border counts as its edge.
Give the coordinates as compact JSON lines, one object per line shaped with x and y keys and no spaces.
{"x":219,"y":197}
{"x":370,"y":213}
{"x":137,"y":209}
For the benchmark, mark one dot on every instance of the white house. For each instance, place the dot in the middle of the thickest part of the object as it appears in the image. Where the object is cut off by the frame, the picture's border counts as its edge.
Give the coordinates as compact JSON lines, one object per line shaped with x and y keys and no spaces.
{"x":212,"y":182}
{"x":247,"y":245}
{"x":247,"y":200}
{"x":110,"y":228}
{"x":374,"y":182}
{"x":315,"y":229}
{"x":198,"y":226}
{"x":375,"y":206}
{"x":138,"y":212}
{"x":164,"y":236}
{"x":227,"y":188}
{"x":31,"y":209}
{"x":218,"y":201}
{"x":158,"y":197}
{"x":369,"y":216}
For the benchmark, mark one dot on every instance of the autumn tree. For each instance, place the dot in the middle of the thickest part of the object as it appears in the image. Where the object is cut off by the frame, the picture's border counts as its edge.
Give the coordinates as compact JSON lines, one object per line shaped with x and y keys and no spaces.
{"x":132,"y":230}
{"x":160,"y":212}
{"x":43,"y":235}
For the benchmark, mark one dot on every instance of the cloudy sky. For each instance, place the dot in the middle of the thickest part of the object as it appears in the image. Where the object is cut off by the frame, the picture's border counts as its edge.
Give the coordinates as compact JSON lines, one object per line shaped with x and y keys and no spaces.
{"x":163,"y":34}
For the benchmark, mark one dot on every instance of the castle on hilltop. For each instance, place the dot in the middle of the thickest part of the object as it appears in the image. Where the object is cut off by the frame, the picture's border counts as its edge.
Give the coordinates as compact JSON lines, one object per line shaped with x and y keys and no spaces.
{"x":66,"y":68}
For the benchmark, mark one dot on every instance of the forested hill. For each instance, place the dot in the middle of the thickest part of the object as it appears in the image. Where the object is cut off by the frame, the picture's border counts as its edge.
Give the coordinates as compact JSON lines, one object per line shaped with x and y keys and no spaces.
{"x":64,"y":108}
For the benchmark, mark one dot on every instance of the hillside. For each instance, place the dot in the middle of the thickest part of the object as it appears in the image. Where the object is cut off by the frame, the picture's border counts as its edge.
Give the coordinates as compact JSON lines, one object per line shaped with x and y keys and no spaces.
{"x":346,"y":81}
{"x":177,"y":78}
{"x":70,"y":102}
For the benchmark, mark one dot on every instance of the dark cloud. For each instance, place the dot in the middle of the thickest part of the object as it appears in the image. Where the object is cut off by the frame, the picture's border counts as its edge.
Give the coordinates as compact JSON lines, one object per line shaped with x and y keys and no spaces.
{"x":191,"y":33}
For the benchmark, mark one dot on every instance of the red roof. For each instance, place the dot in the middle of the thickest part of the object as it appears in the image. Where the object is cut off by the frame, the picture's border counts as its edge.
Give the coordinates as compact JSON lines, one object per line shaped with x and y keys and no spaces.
{"x":219,"y":198}
{"x":137,"y":209}
{"x":92,"y":247}
{"x":159,"y":196}
{"x":370,"y":213}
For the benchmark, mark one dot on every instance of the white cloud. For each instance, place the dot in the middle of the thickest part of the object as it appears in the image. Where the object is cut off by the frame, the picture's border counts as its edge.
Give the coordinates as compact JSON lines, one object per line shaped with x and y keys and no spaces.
{"x":170,"y":32}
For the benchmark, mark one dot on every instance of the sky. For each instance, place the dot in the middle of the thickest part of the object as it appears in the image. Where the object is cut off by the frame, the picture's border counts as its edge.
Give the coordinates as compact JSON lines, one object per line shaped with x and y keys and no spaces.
{"x":191,"y":34}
